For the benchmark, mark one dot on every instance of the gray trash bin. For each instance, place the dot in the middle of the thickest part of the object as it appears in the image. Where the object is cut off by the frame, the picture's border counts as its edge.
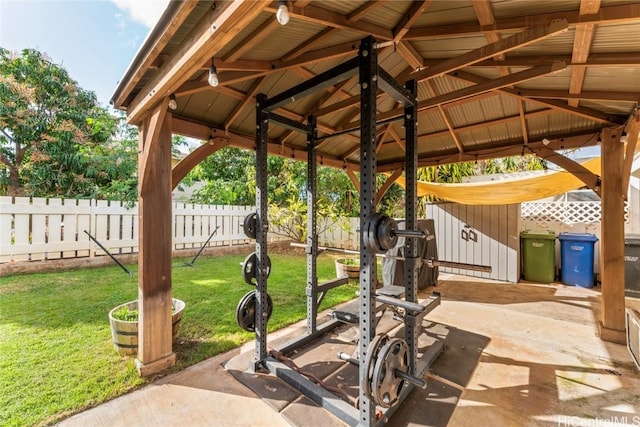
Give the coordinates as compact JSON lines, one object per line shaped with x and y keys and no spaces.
{"x":632,"y":265}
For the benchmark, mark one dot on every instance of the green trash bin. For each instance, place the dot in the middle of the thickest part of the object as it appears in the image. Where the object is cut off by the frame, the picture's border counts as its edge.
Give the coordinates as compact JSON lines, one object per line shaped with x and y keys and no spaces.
{"x":538,"y":249}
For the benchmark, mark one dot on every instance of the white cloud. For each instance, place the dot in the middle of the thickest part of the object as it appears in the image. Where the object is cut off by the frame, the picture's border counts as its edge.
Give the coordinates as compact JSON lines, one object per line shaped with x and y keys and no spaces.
{"x":146,"y":12}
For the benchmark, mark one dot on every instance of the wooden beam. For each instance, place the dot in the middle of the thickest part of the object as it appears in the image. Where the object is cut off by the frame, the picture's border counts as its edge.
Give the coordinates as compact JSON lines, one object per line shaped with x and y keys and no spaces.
{"x":484,"y":12}
{"x":415,"y":11}
{"x":354,"y":179}
{"x":195,"y":50}
{"x":387,"y":184}
{"x":251,"y":40}
{"x":491,"y":151}
{"x":445,"y":118}
{"x":581,"y":48}
{"x":149,"y":55}
{"x":606,"y":15}
{"x":612,"y":323}
{"x":309,"y":44}
{"x":317,"y":15}
{"x":583,"y":95}
{"x":194,"y":158}
{"x":200,"y":131}
{"x":501,"y":46}
{"x":363,"y":10}
{"x":149,"y":142}
{"x":523,"y":122}
{"x":155,"y":352}
{"x":471,"y":91}
{"x":249,"y":97}
{"x":587,"y":113}
{"x":590,"y":179}
{"x":600,"y":60}
{"x":410,"y":55}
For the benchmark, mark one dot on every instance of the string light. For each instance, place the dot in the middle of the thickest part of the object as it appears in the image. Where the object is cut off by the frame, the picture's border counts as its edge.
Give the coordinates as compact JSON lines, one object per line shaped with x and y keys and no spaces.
{"x":282,"y":15}
{"x":173,"y":104}
{"x":213,"y":75}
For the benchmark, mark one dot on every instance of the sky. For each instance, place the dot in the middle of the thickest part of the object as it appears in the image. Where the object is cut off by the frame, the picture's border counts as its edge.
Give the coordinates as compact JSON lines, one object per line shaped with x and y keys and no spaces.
{"x":94,"y":40}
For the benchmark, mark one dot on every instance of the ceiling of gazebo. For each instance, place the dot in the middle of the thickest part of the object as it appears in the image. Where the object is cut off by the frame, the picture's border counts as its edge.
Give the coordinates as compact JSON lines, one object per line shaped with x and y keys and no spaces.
{"x":496,"y":78}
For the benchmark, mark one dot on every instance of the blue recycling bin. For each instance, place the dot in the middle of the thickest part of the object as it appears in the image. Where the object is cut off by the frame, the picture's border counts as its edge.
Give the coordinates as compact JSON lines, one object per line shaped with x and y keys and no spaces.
{"x":576,"y":259}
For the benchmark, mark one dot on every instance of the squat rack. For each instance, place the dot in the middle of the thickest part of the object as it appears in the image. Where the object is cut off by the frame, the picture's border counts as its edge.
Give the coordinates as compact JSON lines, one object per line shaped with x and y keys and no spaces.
{"x":371,"y":77}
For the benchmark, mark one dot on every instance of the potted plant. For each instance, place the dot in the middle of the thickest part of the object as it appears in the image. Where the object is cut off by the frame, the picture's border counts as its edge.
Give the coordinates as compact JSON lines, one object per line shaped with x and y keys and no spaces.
{"x":124,"y":325}
{"x":348,"y":267}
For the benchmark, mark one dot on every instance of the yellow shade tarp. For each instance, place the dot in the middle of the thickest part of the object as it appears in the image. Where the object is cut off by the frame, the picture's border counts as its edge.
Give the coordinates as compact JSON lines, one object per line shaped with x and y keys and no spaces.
{"x":505,"y":191}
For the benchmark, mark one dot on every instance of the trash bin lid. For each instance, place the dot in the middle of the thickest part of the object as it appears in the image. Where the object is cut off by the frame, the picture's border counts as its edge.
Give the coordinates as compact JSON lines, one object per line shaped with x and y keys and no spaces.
{"x":632,"y":239}
{"x":538,"y":235}
{"x":582,"y":237}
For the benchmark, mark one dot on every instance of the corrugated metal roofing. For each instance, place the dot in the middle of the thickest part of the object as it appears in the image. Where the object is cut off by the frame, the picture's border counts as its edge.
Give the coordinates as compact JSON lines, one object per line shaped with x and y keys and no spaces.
{"x":481,"y":118}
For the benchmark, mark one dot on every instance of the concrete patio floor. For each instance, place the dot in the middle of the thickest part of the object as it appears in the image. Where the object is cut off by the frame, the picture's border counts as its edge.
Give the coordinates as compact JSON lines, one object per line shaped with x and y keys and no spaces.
{"x":515,"y":355}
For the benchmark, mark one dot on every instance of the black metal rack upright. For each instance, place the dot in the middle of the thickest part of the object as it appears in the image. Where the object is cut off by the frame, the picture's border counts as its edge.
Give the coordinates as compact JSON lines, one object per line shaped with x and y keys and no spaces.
{"x":371,"y":77}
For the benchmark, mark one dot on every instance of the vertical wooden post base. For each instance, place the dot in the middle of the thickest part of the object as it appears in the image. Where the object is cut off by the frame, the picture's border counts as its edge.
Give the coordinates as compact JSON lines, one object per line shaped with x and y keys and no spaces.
{"x":612,"y":335}
{"x":147,"y":369}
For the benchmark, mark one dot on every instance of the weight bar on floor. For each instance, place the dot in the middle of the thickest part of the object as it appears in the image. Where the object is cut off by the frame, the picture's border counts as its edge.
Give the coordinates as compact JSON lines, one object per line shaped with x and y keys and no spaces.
{"x":431,"y":262}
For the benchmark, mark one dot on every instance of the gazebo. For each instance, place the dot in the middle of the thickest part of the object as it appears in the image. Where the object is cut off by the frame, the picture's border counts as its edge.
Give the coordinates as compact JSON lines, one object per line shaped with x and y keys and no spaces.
{"x":494,"y":79}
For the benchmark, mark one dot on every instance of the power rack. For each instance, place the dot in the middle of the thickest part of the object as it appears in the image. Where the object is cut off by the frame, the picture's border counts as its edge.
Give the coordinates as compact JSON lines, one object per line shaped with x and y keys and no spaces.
{"x":388,"y":367}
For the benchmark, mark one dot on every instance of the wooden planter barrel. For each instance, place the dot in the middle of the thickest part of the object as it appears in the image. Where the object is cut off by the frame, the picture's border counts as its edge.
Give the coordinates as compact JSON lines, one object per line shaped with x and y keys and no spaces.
{"x":353,"y":271}
{"x":125,"y":333}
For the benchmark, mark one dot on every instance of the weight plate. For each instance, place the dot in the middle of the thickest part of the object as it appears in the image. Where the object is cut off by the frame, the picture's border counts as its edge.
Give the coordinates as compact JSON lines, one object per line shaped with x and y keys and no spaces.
{"x":370,"y":236}
{"x":386,"y":386}
{"x":385,"y":236}
{"x":246,"y":311}
{"x":370,"y":360}
{"x":250,"y":225}
{"x":249,"y":268}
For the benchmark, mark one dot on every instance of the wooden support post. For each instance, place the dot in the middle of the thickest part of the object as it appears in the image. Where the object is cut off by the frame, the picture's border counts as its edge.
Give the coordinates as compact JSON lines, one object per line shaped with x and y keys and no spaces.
{"x":612,"y":324}
{"x":155,"y":351}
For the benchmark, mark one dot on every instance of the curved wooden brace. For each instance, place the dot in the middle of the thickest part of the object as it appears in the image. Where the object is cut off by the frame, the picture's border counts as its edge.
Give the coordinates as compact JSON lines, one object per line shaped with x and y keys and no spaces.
{"x":185,"y":165}
{"x":633,"y":134}
{"x":387,"y":184}
{"x":590,"y":179}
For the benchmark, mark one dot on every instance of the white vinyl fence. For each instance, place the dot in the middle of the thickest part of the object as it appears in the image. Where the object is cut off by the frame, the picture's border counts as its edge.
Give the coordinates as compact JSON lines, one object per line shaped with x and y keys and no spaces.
{"x":46,"y":229}
{"x":37,"y":229}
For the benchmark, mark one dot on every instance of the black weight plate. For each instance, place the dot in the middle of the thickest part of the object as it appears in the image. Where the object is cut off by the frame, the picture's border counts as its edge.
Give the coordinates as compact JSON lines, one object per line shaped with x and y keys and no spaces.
{"x":373,"y":350}
{"x":246,"y":311}
{"x":249,"y":268}
{"x":250,"y":225}
{"x":385,"y":237}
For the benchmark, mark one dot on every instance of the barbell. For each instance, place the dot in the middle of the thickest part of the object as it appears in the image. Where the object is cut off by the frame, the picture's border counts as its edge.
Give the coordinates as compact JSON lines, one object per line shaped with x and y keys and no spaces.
{"x":382,"y":233}
{"x":431,"y":262}
{"x":387,"y":369}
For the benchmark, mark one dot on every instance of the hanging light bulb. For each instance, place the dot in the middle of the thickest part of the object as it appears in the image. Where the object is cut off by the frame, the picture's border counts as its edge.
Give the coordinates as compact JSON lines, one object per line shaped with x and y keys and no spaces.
{"x":213,"y":75}
{"x":173,"y":104}
{"x":282,"y":15}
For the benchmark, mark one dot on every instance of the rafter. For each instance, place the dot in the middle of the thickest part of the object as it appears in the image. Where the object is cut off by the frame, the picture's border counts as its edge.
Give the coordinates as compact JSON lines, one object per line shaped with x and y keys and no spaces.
{"x":414,"y":12}
{"x":523,"y":122}
{"x":251,"y":40}
{"x":363,"y":10}
{"x":622,"y":59}
{"x":590,"y":179}
{"x":321,"y":16}
{"x":581,"y":47}
{"x":200,"y":131}
{"x":606,"y":15}
{"x":387,"y":184}
{"x":194,"y":158}
{"x":255,"y":87}
{"x":471,"y":91}
{"x":200,"y":45}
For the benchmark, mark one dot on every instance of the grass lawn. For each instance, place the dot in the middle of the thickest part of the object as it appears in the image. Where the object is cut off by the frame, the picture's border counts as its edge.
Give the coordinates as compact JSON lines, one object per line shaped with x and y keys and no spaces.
{"x":56,"y":355}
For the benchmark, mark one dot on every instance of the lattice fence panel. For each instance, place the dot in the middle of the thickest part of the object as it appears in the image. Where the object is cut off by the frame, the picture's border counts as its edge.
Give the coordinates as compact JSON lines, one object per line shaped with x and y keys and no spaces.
{"x":575,"y":212}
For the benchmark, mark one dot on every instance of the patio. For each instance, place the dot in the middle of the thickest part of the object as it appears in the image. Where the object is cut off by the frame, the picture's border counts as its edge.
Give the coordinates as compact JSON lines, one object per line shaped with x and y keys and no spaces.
{"x":535,"y":359}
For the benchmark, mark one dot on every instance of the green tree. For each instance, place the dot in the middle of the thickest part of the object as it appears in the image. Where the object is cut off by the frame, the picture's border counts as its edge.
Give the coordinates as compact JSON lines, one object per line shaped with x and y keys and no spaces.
{"x":55,"y":139}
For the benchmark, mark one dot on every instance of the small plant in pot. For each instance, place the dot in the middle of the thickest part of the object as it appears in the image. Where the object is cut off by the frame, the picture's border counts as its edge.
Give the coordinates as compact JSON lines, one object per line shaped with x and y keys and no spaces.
{"x":348,"y":267}
{"x":124,"y":325}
